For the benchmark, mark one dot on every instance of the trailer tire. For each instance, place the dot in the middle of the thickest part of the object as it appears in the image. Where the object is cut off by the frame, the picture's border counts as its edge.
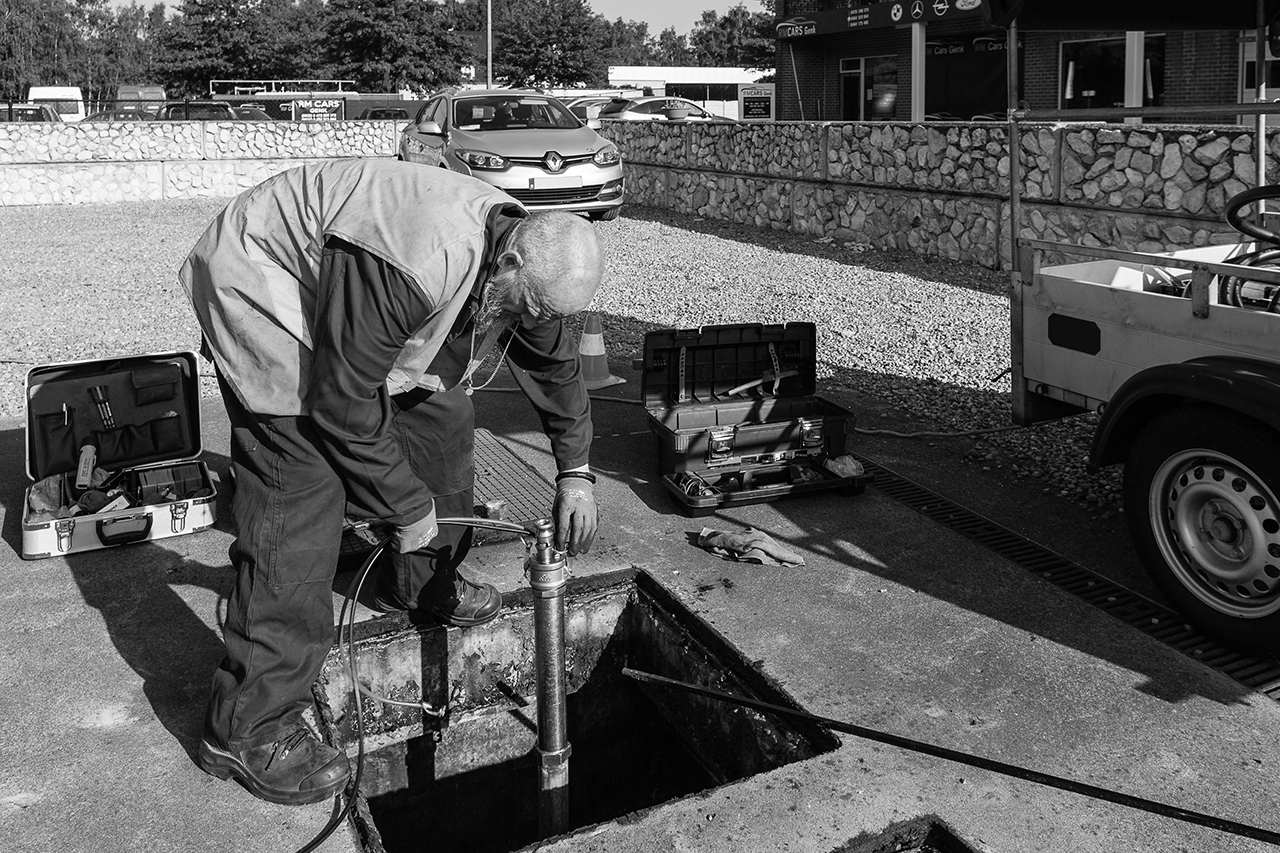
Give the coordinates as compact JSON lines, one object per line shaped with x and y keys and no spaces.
{"x":1202,"y":497}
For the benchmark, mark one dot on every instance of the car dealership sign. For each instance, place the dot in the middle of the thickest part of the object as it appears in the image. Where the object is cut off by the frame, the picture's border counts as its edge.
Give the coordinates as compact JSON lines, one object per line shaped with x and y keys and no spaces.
{"x":876,"y":16}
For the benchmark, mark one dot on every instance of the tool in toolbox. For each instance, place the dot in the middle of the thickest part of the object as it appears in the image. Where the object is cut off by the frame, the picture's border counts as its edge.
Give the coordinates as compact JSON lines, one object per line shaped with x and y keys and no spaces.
{"x":109,"y":474}
{"x":733,"y":410}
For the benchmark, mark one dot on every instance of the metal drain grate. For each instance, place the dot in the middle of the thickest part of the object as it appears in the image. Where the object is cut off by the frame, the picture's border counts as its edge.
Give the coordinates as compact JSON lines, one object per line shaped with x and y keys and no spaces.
{"x":1142,"y":613}
{"x":500,"y":474}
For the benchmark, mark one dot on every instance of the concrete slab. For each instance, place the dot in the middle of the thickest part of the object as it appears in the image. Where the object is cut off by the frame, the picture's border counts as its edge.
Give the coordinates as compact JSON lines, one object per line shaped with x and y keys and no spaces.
{"x":893,"y":623}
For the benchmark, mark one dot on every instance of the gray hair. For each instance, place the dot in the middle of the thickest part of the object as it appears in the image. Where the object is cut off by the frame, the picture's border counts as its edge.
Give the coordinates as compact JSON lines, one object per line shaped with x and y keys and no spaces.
{"x":563,"y":261}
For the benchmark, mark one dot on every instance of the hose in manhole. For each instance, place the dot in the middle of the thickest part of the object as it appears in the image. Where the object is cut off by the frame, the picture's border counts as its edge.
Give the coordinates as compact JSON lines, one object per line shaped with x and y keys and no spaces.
{"x":547,"y":572}
{"x":1151,"y":618}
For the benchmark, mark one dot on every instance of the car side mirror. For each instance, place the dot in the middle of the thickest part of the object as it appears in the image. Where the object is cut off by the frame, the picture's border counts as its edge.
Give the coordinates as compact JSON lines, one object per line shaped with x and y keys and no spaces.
{"x":594,"y":123}
{"x":431,"y":128}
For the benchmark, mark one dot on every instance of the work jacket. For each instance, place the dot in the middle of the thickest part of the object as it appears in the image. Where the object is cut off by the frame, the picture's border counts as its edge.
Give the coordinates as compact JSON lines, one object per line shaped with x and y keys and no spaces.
{"x":254,"y":279}
{"x":253,"y":276}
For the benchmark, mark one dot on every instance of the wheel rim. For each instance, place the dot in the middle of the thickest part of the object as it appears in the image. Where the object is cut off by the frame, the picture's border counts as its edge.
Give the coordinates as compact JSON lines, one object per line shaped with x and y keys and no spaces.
{"x":1218,"y":527}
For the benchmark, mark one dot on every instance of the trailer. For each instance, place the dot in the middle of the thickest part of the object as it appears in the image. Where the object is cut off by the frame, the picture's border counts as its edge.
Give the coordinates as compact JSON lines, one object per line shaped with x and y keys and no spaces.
{"x":1179,"y":354}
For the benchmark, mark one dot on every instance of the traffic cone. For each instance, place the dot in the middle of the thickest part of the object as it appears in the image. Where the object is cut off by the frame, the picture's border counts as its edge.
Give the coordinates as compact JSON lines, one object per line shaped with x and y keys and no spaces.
{"x":595,"y":364}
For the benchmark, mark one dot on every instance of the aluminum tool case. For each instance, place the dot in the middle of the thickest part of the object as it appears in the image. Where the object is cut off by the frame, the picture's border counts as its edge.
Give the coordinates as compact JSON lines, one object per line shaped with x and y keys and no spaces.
{"x":736,"y":422}
{"x":142,"y":414}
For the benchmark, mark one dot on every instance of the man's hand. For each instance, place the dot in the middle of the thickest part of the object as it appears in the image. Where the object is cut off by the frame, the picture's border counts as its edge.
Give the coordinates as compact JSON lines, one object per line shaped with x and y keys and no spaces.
{"x":575,"y":514}
{"x":413,"y":537}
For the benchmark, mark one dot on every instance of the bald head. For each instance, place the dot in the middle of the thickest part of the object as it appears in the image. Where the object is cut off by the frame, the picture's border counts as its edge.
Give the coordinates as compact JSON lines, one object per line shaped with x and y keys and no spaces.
{"x":563,"y":263}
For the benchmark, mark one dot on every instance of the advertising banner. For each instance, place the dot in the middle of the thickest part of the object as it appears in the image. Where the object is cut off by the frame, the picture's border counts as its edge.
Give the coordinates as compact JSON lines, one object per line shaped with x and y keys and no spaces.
{"x":877,"y":16}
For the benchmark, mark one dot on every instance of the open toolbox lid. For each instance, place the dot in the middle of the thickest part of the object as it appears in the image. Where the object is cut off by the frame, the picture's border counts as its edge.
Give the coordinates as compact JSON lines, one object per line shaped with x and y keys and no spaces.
{"x":135,"y":410}
{"x":717,"y":364}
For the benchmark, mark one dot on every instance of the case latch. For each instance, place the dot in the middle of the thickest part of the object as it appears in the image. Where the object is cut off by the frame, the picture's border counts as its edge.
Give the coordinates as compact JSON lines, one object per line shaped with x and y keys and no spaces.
{"x":811,"y":432}
{"x":719,"y":444}
{"x":178,"y":516}
{"x":64,"y":527}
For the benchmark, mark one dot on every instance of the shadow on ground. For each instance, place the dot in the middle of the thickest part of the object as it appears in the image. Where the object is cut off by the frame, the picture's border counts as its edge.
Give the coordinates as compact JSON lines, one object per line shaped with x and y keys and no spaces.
{"x":135,"y":590}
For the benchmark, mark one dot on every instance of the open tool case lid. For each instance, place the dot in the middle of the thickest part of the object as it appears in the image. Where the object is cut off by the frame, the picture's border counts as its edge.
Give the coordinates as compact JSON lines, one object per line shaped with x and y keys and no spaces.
{"x":721,"y":364}
{"x":134,"y":410}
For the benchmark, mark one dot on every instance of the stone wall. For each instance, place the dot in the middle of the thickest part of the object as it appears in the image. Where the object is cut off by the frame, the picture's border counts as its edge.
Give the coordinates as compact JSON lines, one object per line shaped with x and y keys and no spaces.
{"x":138,"y":161}
{"x":943,"y":189}
{"x":938,"y":189}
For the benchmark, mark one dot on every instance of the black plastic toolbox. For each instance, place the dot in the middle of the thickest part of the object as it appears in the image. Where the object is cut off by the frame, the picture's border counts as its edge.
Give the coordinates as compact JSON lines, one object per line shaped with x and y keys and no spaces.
{"x":735,"y":418}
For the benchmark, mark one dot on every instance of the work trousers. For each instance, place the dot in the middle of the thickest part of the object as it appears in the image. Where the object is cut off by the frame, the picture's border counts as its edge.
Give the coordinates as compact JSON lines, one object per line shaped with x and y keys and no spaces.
{"x":288,"y":509}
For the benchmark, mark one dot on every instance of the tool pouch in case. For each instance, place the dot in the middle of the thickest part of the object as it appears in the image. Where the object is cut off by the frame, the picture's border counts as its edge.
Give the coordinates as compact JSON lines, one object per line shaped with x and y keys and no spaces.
{"x":735,"y":419}
{"x":141,"y":416}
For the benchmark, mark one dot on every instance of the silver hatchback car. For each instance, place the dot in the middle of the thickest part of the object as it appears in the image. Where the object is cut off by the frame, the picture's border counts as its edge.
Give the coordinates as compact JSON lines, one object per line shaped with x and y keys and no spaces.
{"x":525,"y":143}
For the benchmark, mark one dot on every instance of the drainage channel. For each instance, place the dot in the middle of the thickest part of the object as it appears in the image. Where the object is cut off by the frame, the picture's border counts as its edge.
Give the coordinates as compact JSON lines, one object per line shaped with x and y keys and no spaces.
{"x":1153,"y":619}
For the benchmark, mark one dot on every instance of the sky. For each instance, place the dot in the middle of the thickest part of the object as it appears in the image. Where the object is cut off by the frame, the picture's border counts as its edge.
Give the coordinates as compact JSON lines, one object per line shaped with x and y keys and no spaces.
{"x":660,"y":14}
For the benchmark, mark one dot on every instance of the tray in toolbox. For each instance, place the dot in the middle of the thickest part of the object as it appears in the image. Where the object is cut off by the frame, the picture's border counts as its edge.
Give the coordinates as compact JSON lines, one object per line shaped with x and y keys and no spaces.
{"x":142,"y":480}
{"x":731,"y":404}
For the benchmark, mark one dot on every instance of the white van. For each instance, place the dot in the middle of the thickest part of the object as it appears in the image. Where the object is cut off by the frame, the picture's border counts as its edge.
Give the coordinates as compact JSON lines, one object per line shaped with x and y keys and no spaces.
{"x":67,"y":100}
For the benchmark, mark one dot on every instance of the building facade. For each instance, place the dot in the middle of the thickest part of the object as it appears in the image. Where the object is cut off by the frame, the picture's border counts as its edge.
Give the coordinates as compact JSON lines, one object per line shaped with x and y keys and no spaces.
{"x":914,"y":60}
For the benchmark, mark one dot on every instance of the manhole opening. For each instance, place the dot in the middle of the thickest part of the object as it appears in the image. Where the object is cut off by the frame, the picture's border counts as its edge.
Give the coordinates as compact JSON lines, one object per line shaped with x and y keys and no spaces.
{"x":472,"y":783}
{"x":926,"y":834}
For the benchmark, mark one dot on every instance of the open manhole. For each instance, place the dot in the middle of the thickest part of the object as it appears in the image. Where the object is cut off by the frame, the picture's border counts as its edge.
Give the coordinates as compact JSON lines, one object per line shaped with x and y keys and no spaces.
{"x":469,"y":782}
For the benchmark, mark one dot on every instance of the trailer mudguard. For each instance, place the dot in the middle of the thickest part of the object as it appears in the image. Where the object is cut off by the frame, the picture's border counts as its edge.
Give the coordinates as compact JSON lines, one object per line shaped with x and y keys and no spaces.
{"x":1245,"y":385}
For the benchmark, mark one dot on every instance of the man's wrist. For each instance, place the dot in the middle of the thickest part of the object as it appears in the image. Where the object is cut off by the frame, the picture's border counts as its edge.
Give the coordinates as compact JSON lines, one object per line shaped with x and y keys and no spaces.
{"x":576,"y":474}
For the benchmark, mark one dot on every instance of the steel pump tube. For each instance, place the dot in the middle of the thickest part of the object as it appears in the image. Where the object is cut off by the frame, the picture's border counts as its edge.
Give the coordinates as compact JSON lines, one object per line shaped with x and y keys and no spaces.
{"x":547,"y":578}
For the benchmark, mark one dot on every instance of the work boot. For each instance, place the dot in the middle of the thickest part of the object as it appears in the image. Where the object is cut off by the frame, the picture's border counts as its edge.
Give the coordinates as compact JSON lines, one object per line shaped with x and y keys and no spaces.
{"x":462,"y":602}
{"x":293,"y":771}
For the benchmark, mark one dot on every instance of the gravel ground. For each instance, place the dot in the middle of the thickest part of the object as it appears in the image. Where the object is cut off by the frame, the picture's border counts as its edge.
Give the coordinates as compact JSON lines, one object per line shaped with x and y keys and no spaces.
{"x":922,"y":343}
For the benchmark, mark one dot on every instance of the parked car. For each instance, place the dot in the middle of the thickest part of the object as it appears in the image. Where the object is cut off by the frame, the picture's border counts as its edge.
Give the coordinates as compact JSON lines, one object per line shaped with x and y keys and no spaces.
{"x":525,"y":143}
{"x":195,"y":111}
{"x":118,"y":115}
{"x":28,"y":112}
{"x":587,"y":107}
{"x":657,"y":109}
{"x":383,"y":113}
{"x":248,"y":113}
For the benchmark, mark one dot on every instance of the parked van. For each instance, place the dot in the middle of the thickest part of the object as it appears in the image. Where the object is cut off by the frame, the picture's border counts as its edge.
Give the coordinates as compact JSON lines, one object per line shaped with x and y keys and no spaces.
{"x":141,"y":97}
{"x":67,"y":100}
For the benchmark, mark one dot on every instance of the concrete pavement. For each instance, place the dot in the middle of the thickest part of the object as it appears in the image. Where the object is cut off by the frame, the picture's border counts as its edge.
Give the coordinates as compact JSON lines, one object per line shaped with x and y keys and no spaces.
{"x":894,"y":623}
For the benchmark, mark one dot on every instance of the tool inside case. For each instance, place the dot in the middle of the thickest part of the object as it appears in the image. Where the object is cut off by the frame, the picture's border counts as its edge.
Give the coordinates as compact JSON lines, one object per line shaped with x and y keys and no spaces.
{"x":733,"y":411}
{"x":97,"y":429}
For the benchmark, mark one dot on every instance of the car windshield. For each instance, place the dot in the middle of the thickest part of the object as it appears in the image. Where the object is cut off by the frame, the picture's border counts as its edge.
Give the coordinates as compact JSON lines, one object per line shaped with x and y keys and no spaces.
{"x":511,"y":112}
{"x":20,"y":114}
{"x":197,"y":111}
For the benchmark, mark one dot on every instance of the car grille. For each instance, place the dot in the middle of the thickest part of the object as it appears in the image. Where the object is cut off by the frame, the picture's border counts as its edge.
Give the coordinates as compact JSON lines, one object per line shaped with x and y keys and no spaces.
{"x":563,"y":195}
{"x":568,"y":160}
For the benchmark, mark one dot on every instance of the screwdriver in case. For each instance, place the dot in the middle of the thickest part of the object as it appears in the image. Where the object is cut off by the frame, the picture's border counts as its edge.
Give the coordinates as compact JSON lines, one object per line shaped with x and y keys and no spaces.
{"x":98,"y":394}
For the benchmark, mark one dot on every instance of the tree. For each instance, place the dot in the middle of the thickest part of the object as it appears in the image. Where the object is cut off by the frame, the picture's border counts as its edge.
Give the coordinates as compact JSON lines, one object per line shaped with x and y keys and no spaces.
{"x":672,"y":49}
{"x":738,"y":39}
{"x":548,"y":43}
{"x":37,"y":42}
{"x":393,"y":44}
{"x":627,"y":43}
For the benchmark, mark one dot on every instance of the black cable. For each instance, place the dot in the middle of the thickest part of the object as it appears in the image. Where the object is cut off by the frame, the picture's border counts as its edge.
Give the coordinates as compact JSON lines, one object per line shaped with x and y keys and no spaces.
{"x":1141,"y":803}
{"x":348,"y":601}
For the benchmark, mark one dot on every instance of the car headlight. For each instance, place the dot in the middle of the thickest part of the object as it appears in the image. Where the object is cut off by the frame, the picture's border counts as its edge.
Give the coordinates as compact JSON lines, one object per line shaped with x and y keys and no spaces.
{"x":607,"y":156}
{"x":482,"y":160}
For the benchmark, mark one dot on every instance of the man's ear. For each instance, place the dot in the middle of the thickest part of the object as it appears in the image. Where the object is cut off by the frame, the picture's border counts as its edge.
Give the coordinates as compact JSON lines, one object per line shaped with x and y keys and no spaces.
{"x":508,"y":261}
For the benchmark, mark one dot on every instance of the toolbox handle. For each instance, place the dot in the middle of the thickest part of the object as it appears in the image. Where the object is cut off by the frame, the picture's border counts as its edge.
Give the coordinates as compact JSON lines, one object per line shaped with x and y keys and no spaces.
{"x":133,"y":533}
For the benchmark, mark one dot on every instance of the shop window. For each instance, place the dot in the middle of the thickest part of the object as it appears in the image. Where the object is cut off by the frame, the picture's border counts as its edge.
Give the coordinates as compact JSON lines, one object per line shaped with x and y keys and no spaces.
{"x":1092,"y":73}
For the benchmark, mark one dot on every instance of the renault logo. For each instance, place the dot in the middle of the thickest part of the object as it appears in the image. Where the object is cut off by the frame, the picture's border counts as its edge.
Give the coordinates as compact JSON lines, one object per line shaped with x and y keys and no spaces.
{"x":553,"y":161}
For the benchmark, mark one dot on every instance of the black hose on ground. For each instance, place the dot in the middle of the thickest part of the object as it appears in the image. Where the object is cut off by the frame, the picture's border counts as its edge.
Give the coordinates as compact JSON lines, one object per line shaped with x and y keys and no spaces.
{"x":1140,"y":803}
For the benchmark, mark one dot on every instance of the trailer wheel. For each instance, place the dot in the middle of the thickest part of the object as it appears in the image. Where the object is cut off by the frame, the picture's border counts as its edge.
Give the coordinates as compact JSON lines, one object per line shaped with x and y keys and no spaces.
{"x":1200,"y":492}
